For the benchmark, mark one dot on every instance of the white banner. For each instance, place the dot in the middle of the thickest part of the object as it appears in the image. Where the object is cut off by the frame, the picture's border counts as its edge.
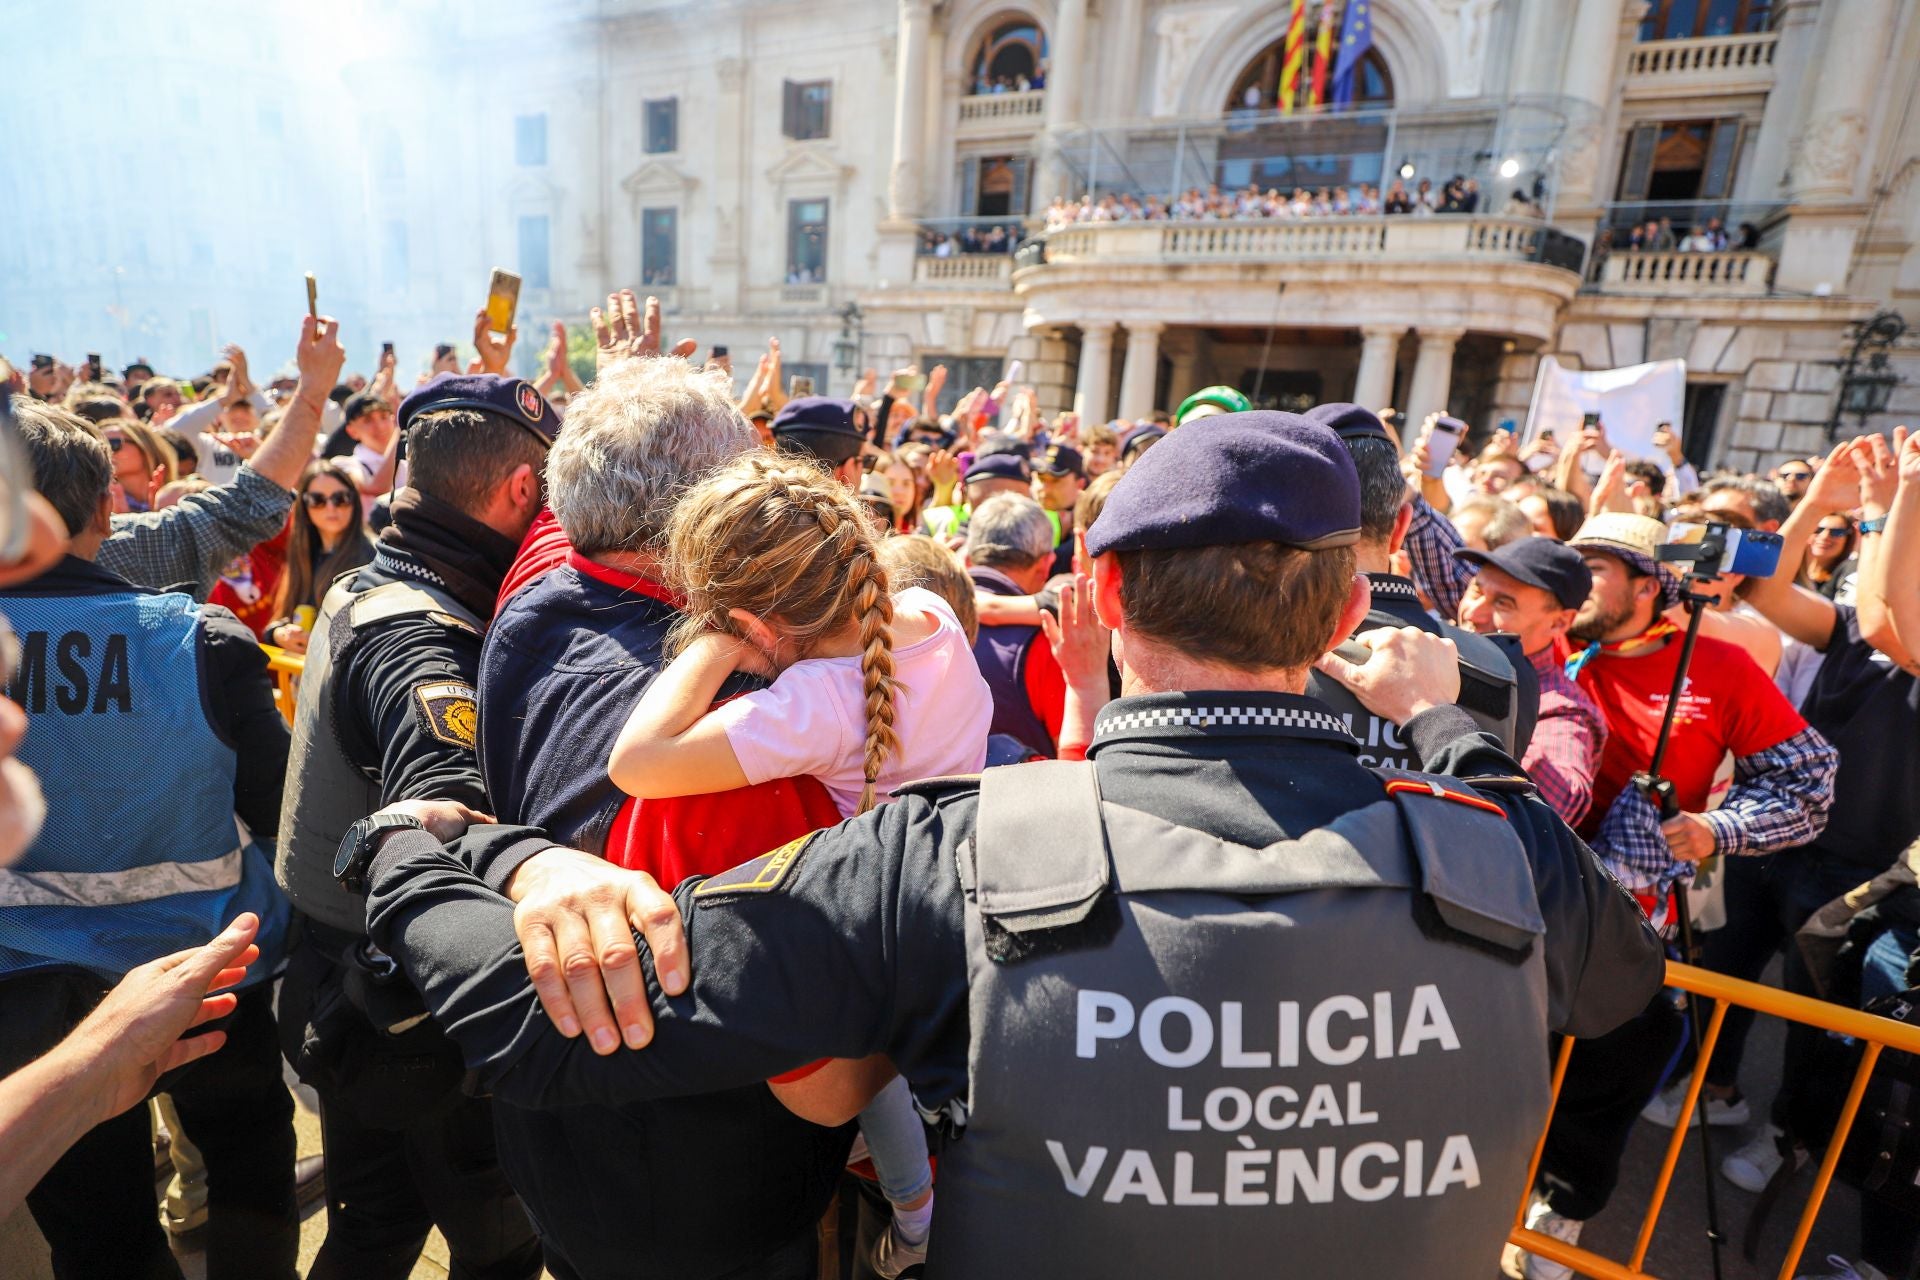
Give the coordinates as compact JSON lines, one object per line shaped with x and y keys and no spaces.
{"x":1631,"y":402}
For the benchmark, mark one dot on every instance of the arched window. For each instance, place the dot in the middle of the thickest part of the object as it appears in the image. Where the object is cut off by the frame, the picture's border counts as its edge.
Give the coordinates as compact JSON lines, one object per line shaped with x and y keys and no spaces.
{"x":1258,"y":87}
{"x":1012,"y":56}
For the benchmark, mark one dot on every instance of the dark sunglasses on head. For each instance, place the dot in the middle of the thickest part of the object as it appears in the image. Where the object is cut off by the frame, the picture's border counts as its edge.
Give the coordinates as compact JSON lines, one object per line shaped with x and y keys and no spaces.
{"x":315,"y":499}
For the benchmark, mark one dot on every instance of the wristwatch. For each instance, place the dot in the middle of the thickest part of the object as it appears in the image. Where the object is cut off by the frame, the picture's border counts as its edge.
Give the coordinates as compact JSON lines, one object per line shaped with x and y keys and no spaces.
{"x":361,"y":842}
{"x":1874,"y":525}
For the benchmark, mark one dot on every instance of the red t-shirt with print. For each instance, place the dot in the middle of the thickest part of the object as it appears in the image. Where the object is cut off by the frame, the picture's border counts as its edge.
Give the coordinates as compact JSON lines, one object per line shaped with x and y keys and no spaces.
{"x":1729,"y":705}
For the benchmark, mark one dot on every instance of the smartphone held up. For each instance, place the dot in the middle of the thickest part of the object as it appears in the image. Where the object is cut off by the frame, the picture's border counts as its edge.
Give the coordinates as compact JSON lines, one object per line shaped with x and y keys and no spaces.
{"x":503,"y":299}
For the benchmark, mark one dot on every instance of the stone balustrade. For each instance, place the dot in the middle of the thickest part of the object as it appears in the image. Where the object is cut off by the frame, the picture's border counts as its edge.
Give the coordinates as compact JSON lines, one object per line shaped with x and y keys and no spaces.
{"x":1000,"y":112}
{"x":1400,"y":238}
{"x":1734,"y":64}
{"x":1719,"y":275}
{"x":973,"y":269}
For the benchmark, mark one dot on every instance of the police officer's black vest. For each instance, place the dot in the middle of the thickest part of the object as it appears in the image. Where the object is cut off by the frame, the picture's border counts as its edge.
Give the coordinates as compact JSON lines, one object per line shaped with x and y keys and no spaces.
{"x":1192,"y":1057}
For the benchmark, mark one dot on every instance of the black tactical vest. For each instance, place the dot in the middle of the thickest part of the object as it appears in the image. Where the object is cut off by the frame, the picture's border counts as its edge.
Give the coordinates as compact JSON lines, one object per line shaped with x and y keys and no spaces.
{"x":1190,"y":1057}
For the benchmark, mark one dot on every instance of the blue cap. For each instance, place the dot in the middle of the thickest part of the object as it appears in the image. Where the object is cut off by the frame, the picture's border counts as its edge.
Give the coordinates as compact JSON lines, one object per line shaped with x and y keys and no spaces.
{"x":1138,"y":438}
{"x":514,"y":399}
{"x":1061,"y":460}
{"x":1349,"y":421}
{"x":998,"y":466}
{"x":831,"y":430}
{"x":1547,"y":563}
{"x":1261,"y":476}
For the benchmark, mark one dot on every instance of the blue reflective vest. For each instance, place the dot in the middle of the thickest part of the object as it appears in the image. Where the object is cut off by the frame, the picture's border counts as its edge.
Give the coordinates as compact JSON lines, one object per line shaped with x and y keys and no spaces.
{"x":141,"y":855}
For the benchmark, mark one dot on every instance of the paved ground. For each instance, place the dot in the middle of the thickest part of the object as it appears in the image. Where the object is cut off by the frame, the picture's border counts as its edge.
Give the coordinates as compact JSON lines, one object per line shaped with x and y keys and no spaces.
{"x":1679,"y":1250}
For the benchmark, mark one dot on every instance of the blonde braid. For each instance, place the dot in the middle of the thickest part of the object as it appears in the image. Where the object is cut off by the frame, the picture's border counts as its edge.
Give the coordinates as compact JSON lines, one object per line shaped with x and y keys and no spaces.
{"x":874,"y":608}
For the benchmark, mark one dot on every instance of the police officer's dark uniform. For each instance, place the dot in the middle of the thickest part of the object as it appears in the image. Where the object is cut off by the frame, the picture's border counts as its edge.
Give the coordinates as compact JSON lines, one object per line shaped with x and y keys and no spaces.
{"x":387,"y":712}
{"x":1223,"y":995}
{"x":1497,"y":683}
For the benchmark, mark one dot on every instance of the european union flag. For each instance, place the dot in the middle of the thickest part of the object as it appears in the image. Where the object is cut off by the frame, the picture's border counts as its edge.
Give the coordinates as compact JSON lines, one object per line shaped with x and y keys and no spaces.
{"x":1356,"y":37}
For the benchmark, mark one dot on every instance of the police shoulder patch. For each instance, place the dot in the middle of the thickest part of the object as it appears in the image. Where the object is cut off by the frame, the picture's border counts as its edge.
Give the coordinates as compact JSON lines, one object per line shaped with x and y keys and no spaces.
{"x":449,"y":712}
{"x":764,"y":874}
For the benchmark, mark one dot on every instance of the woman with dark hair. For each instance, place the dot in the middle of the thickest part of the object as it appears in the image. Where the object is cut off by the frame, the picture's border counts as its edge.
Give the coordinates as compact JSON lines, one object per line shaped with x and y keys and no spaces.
{"x":1830,"y":550}
{"x":328,"y":538}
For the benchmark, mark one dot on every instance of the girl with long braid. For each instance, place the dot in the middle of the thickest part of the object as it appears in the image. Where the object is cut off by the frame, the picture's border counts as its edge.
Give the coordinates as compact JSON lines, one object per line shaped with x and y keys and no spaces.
{"x":781,"y":578}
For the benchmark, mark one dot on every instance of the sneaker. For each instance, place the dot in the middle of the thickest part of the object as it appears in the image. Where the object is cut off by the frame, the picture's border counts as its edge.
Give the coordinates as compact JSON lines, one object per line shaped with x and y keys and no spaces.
{"x":1664,"y":1110}
{"x":1753,"y":1166}
{"x":1844,"y":1270}
{"x":1543,"y":1219}
{"x":893,"y":1257}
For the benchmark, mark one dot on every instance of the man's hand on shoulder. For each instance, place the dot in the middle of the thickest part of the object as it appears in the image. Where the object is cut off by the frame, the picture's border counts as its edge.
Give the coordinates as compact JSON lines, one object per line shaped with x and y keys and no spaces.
{"x":1406,"y":671}
{"x":576,"y":915}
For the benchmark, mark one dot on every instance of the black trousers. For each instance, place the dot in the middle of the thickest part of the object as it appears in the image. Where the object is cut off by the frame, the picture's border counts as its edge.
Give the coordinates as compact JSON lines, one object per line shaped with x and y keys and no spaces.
{"x":406,"y":1151}
{"x":97,"y":1207}
{"x":1768,"y":899}
{"x":1609,"y":1078}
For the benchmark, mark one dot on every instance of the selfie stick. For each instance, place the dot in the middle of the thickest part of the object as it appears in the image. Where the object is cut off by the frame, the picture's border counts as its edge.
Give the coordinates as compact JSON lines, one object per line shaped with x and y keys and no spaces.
{"x":1660,"y":791}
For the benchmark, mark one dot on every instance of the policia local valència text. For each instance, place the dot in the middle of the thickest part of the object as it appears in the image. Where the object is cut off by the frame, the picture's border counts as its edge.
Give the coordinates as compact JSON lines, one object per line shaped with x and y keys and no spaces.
{"x":1341,"y":1030}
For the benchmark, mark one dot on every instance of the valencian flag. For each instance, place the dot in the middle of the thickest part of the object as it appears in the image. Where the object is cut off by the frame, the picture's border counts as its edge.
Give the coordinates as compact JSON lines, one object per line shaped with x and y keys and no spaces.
{"x":1293,"y":58}
{"x":1356,"y":37}
{"x":1322,"y":56}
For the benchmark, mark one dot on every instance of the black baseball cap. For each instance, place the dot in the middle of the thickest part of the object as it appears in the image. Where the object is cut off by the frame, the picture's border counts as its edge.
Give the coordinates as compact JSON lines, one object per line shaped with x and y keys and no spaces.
{"x":827,"y":429}
{"x":1547,"y":563}
{"x":998,"y":466}
{"x":1061,"y":460}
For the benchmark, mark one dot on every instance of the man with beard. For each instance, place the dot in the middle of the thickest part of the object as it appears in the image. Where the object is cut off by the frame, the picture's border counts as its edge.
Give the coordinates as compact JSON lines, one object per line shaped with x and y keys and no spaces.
{"x":1625,"y":656}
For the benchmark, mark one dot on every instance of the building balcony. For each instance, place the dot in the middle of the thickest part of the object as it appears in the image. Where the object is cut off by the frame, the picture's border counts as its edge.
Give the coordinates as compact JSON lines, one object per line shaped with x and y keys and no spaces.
{"x":1707,"y":65}
{"x":970,"y":270}
{"x":994,"y":114}
{"x":1731,"y":274}
{"x":1475,"y":272}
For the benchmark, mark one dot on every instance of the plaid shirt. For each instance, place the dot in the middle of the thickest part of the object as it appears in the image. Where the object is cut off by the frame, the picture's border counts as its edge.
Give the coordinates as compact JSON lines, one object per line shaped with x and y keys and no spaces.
{"x":1431,"y":542}
{"x":193,"y":540}
{"x":1779,"y":799}
{"x":1565,"y":752}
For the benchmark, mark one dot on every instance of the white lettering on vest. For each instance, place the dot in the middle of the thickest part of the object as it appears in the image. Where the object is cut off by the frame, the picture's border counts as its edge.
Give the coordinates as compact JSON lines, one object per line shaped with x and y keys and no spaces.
{"x":1351,"y":1171}
{"x":1290,"y":1169}
{"x":1383,"y":1024}
{"x":1217,"y":1114}
{"x":1415,"y":1161}
{"x":1082,"y":1182}
{"x":1289,"y":1055}
{"x":1427,"y":1020}
{"x":1357,"y":1112}
{"x":1231,"y":1054}
{"x":1134,"y":1176}
{"x":1317,"y":1043}
{"x":1093,"y":1027}
{"x":1321,"y":1107}
{"x":1183,"y":1192}
{"x":1263,"y":1106}
{"x":1456,"y":1164}
{"x":1176,"y":1108}
{"x":1246,"y":1170}
{"x":1199,"y":1031}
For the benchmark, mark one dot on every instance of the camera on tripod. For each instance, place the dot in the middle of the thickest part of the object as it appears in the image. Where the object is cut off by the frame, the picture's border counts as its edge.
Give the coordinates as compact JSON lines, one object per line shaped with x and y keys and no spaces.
{"x":1710,"y":550}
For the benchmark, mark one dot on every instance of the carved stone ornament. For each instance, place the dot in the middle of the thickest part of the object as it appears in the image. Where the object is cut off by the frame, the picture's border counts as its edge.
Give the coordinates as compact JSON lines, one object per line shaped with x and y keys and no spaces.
{"x":1829,"y":150}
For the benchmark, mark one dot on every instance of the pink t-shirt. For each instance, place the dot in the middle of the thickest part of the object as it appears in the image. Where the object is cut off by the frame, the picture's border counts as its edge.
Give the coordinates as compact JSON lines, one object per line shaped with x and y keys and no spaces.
{"x":813,"y":720}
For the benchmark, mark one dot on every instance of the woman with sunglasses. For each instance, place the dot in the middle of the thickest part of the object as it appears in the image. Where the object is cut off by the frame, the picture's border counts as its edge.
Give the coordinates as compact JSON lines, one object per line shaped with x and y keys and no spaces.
{"x":142,"y":461}
{"x":329,"y":538}
{"x":1830,"y":562}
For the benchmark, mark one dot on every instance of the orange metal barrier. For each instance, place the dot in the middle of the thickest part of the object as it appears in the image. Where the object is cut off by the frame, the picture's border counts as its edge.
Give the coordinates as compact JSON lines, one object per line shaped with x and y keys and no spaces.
{"x":1876,"y":1033}
{"x":286,"y":668}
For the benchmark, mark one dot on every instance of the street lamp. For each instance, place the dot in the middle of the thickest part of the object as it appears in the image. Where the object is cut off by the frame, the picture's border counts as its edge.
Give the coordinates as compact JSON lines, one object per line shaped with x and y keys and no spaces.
{"x":846,"y":347}
{"x":1864,"y":393}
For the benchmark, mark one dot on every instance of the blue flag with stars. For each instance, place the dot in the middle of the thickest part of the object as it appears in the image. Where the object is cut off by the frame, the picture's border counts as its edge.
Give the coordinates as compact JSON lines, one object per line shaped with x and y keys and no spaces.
{"x":1356,"y":37}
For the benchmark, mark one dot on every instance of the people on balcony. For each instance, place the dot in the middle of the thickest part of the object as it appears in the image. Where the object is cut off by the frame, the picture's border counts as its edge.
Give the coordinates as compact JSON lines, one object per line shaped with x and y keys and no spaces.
{"x":1460,"y":195}
{"x":937,"y":242}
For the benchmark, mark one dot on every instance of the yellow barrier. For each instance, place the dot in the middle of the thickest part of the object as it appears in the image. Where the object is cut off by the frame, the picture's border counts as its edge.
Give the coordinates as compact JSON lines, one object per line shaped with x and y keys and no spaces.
{"x":286,"y":668}
{"x":1876,"y":1033}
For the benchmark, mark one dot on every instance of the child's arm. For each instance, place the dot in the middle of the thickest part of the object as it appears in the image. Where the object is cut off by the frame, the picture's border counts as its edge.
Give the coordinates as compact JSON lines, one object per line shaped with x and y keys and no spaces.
{"x":670,"y":745}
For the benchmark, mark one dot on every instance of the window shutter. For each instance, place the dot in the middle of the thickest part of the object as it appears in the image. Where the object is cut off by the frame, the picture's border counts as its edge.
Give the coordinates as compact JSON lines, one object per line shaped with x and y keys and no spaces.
{"x":970,"y":185}
{"x":789,"y":108}
{"x":1637,"y":173}
{"x":1723,"y":152}
{"x":1022,"y":180}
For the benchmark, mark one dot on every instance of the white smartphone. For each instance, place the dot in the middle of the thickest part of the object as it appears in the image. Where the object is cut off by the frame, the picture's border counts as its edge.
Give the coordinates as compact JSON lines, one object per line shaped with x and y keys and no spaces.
{"x":1442,"y":440}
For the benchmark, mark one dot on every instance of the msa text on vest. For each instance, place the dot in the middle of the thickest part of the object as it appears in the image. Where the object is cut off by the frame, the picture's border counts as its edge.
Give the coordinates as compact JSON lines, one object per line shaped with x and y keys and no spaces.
{"x":89,"y":674}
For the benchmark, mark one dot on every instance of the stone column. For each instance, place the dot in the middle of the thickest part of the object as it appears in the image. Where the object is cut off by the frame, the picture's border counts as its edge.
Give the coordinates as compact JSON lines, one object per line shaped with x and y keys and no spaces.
{"x":1185,"y":357}
{"x":1065,"y":54}
{"x":1379,"y":350}
{"x":1096,"y":372}
{"x":1124,"y":20}
{"x":1537,"y":55}
{"x":1589,"y":78}
{"x":1432,"y":375}
{"x":1142,"y":368}
{"x":909,"y":110}
{"x":1845,"y":84}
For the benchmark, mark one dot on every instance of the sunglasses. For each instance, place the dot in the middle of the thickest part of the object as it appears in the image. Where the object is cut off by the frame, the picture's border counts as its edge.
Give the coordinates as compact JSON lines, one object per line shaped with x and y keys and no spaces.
{"x":1832,"y":531}
{"x":1796,"y":475}
{"x":316,"y":500}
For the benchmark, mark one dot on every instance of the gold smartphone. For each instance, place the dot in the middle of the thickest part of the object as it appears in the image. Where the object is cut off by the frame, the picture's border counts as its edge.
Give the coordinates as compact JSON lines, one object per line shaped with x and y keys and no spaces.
{"x":503,"y":297}
{"x":313,"y":297}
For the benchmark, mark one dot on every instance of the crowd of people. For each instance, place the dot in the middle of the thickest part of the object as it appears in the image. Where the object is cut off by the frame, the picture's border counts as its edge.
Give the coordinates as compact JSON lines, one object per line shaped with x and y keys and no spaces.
{"x":992,"y":237}
{"x":1657,"y":235}
{"x":1459,"y":194}
{"x":578,"y":656}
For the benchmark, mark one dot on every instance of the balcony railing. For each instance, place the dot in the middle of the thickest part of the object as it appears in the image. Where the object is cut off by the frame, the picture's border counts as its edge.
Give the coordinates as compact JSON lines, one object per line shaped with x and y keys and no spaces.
{"x":1464,"y":237}
{"x":975,"y":269}
{"x":999,"y":112}
{"x":1710,"y":63}
{"x":1721,"y":275}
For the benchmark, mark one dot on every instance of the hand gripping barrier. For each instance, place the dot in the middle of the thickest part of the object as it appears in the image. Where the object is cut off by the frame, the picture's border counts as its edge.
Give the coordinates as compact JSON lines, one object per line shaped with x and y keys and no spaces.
{"x":1875,"y":1034}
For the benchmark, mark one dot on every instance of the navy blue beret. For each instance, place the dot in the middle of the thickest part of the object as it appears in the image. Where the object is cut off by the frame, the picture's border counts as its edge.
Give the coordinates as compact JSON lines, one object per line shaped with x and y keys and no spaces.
{"x":1349,"y":421}
{"x":819,"y":413}
{"x":1236,"y":477}
{"x":511,"y":398}
{"x":998,"y":466}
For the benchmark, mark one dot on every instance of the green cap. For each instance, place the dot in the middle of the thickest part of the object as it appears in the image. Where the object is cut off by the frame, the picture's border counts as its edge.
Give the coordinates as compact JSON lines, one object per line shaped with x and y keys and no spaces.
{"x":1208,"y":401}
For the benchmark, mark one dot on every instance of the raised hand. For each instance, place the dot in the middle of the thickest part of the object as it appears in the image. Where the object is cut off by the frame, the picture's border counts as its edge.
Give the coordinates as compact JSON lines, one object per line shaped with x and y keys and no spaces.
{"x":623,"y":331}
{"x":1836,"y":482}
{"x":1879,"y":468}
{"x":492,"y":354}
{"x":318,"y":356}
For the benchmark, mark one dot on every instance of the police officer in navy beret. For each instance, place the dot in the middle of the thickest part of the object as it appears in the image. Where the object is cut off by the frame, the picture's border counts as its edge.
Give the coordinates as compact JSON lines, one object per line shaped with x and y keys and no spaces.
{"x":830,"y":432}
{"x":1217,"y":995}
{"x":387,"y":713}
{"x":1498,"y":686}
